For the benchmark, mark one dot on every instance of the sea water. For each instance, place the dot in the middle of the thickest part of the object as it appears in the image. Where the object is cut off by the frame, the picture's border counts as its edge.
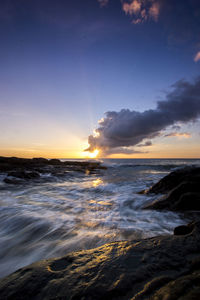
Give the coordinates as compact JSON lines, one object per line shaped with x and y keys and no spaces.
{"x":57,"y":215}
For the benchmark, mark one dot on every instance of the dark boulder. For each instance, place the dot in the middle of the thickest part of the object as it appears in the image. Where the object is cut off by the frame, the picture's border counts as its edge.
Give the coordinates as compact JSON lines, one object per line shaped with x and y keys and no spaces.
{"x":13,"y":180}
{"x":17,"y":177}
{"x":186,"y":196}
{"x":182,"y":188}
{"x":40,"y":160}
{"x":172,"y":180}
{"x":188,"y":201}
{"x":24,"y":175}
{"x":184,"y":229}
{"x":54,"y":162}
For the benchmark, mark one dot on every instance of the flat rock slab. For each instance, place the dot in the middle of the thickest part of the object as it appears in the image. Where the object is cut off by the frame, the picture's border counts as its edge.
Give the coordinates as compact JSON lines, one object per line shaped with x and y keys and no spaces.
{"x":165,"y":267}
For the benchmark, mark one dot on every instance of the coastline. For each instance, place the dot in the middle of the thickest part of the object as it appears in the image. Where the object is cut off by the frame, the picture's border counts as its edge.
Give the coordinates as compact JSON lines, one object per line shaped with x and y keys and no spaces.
{"x":144,"y":269}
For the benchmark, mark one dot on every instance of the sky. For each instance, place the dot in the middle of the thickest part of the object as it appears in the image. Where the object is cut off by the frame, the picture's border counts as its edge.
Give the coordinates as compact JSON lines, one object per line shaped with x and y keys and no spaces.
{"x":119,"y":76}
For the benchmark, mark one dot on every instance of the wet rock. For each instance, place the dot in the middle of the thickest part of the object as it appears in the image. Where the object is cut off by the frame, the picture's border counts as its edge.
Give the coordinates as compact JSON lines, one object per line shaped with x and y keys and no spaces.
{"x":165,"y":267}
{"x":24,"y":175}
{"x":172,"y":180}
{"x":40,"y":160}
{"x":184,"y":229}
{"x":186,"y":201}
{"x":13,"y":180}
{"x":18,"y":177}
{"x":30,"y":168}
{"x":185,"y":194}
{"x":54,"y":162}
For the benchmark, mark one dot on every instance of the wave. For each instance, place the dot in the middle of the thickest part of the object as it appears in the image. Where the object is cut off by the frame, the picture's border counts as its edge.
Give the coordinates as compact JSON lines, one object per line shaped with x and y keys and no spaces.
{"x":150,"y":166}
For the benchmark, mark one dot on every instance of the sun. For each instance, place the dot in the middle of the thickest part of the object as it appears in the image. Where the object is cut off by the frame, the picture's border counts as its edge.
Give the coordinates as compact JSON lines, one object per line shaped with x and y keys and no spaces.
{"x":90,"y":154}
{"x":93,"y":154}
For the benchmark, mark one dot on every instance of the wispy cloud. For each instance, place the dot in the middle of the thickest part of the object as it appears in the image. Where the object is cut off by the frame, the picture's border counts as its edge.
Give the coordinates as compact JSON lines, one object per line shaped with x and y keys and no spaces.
{"x":197,"y":57}
{"x":145,"y":144}
{"x":103,"y":2}
{"x":154,"y":11}
{"x":122,"y":150}
{"x":178,"y":134}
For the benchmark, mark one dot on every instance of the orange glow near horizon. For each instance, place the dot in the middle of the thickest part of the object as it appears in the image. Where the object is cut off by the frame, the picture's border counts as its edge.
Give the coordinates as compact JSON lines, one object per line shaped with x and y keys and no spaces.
{"x":93,"y":154}
{"x":161,"y":149}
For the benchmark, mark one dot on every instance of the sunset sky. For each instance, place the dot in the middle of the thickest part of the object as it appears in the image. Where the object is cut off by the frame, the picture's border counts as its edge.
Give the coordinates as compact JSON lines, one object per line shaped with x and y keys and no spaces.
{"x":64,"y":64}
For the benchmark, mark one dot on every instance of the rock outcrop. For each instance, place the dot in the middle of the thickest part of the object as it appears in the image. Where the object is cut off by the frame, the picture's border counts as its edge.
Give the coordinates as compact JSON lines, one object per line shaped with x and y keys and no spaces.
{"x":173,"y":179}
{"x":181,"y":189}
{"x":20,"y":170}
{"x":165,"y":267}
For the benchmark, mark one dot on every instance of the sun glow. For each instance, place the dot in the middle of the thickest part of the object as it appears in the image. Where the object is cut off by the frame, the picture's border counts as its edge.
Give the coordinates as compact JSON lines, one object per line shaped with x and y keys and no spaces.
{"x":88,"y":154}
{"x":93,"y":154}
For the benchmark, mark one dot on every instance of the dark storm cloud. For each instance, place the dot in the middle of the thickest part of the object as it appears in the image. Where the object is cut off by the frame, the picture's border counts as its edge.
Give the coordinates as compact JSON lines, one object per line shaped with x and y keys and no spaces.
{"x":130,"y":128}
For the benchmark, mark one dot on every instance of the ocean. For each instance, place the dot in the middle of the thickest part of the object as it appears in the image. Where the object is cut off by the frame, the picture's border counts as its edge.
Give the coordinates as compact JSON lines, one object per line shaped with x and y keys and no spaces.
{"x":57,"y":215}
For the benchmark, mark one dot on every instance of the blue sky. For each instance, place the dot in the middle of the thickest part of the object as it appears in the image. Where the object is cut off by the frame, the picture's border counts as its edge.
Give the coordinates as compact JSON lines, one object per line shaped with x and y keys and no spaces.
{"x":65,"y":63}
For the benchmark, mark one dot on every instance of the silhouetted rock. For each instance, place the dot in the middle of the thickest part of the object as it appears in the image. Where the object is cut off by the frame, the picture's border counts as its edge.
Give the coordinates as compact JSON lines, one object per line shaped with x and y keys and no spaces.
{"x":40,"y":160}
{"x":25,"y":168}
{"x":17,"y":177}
{"x":54,"y":162}
{"x":184,"y":229}
{"x":172,"y":180}
{"x":24,"y":175}
{"x":13,"y":180}
{"x":185,"y":194}
{"x":165,"y":267}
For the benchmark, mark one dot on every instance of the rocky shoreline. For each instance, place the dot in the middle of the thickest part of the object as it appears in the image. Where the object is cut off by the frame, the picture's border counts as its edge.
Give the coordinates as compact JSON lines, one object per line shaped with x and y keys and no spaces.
{"x":22,"y":170}
{"x":164,"y":267}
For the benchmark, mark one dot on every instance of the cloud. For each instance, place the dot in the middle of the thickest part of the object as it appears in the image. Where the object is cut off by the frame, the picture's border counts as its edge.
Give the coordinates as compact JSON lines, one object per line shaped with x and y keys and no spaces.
{"x":154,"y":11}
{"x":103,"y":2}
{"x":121,"y":150}
{"x":146,"y":144}
{"x":178,"y":134}
{"x":176,"y":127}
{"x":142,"y":10}
{"x":197,"y":57}
{"x":131,"y":128}
{"x":132,"y":8}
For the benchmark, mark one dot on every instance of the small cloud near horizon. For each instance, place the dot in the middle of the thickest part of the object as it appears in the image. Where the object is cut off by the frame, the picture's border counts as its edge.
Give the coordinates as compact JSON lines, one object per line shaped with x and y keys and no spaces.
{"x":178,"y":134}
{"x":197,"y":57}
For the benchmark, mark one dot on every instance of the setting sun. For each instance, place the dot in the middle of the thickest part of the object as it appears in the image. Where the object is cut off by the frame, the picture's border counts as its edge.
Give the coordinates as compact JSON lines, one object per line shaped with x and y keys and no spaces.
{"x":93,"y":154}
{"x":88,"y":154}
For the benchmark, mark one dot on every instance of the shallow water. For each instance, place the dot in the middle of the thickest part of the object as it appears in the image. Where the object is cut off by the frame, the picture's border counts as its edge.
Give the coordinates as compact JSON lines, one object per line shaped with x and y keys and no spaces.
{"x":79,"y":211}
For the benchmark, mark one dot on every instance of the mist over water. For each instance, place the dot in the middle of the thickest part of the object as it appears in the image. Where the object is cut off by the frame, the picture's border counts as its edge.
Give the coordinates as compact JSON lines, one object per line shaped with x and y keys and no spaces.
{"x":57,"y":215}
